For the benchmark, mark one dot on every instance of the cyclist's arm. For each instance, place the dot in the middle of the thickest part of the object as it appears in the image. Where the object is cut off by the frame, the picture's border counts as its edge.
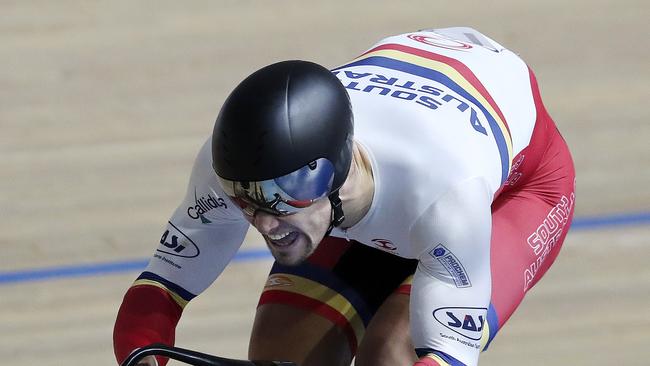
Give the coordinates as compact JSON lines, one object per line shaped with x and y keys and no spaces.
{"x":201,"y":237}
{"x":452,"y":284}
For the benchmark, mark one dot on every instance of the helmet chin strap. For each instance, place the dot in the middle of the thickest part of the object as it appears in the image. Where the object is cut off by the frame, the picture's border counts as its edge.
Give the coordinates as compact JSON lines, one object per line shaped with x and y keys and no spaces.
{"x":337,"y":211}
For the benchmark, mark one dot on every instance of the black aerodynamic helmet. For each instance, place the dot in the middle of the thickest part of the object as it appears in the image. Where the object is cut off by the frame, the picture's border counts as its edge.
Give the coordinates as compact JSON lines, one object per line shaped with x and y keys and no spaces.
{"x":283,"y":139}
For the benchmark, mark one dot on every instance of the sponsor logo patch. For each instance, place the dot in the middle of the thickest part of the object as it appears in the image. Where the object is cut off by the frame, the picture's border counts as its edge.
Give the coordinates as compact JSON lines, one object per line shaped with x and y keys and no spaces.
{"x":547,"y":236}
{"x":452,"y":265}
{"x":278,"y":280}
{"x":203,"y":205}
{"x":515,"y":175}
{"x":384,"y":244}
{"x":468,"y":322}
{"x":175,"y":242}
{"x":437,"y":40}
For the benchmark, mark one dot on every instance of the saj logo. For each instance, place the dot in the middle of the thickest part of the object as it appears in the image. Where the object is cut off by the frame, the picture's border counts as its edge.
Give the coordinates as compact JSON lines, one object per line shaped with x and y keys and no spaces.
{"x":467,"y":322}
{"x":175,"y":242}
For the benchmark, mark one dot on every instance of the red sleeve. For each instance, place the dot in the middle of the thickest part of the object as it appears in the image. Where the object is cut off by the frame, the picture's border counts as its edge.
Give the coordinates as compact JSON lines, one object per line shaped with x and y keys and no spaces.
{"x":426,"y":361}
{"x":148,"y":315}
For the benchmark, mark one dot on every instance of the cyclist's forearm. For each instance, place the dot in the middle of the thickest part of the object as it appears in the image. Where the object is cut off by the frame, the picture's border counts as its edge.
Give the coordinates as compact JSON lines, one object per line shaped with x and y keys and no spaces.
{"x":148,"y":315}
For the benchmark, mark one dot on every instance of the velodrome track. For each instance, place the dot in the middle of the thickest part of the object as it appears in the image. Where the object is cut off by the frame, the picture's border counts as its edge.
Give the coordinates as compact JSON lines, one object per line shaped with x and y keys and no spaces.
{"x":103,"y":106}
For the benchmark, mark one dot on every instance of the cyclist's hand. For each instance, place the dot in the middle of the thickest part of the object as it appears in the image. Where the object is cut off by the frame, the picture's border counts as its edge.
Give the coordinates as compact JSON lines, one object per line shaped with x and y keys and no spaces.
{"x":148,"y":361}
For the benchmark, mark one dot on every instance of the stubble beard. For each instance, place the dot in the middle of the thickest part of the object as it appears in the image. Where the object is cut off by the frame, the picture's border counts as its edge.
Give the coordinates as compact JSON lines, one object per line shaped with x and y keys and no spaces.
{"x":292,"y":258}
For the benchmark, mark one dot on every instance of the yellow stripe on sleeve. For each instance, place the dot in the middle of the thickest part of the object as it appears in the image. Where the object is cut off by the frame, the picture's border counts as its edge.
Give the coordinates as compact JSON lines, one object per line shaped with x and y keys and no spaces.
{"x":177,"y":298}
{"x":438,"y":359}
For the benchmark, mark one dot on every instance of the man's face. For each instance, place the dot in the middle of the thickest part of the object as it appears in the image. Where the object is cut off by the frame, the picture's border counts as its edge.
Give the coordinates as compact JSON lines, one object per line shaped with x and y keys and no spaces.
{"x":292,"y":238}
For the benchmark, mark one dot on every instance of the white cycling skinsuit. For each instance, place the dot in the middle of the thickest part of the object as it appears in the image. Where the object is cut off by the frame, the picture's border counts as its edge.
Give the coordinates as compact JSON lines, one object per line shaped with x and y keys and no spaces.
{"x":444,"y":115}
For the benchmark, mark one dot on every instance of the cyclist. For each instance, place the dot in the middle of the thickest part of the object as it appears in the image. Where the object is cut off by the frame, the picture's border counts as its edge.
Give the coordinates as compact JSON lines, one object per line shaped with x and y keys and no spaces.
{"x":410,"y":199}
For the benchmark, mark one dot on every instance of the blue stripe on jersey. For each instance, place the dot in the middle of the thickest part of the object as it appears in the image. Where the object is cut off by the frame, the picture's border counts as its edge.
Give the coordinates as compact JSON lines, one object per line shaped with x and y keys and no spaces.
{"x":493,"y":325}
{"x":183,"y":293}
{"x":438,"y":76}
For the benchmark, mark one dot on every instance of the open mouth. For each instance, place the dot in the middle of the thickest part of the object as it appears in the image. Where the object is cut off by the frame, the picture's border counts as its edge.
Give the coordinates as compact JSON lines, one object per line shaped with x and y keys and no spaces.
{"x":284,"y":239}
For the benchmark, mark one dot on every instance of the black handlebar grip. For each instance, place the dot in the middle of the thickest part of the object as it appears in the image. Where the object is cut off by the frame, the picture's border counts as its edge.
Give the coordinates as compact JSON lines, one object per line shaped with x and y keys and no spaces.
{"x":193,"y":357}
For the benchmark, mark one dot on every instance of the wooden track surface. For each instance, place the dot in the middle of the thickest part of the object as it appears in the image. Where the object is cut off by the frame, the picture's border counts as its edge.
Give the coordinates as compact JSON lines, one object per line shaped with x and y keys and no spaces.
{"x":103,"y":106}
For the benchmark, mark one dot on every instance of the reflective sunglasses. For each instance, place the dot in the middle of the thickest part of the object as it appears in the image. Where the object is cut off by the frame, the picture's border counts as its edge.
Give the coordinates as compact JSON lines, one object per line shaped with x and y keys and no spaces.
{"x":285,"y":195}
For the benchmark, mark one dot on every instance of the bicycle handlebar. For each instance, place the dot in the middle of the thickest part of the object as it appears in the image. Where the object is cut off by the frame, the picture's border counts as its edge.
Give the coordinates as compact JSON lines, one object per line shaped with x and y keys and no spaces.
{"x":193,"y":357}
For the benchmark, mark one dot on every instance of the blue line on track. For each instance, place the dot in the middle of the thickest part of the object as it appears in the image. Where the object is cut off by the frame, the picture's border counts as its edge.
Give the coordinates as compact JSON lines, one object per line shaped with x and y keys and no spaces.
{"x":86,"y":270}
{"x":596,"y":222}
{"x":137,"y":265}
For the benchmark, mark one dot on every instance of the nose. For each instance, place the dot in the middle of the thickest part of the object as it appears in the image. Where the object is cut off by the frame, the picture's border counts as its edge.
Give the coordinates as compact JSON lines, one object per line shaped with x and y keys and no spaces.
{"x":265,"y":222}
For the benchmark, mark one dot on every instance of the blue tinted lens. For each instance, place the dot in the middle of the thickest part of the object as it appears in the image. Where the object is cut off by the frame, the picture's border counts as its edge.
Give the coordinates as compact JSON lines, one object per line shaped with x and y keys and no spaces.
{"x":310,"y":182}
